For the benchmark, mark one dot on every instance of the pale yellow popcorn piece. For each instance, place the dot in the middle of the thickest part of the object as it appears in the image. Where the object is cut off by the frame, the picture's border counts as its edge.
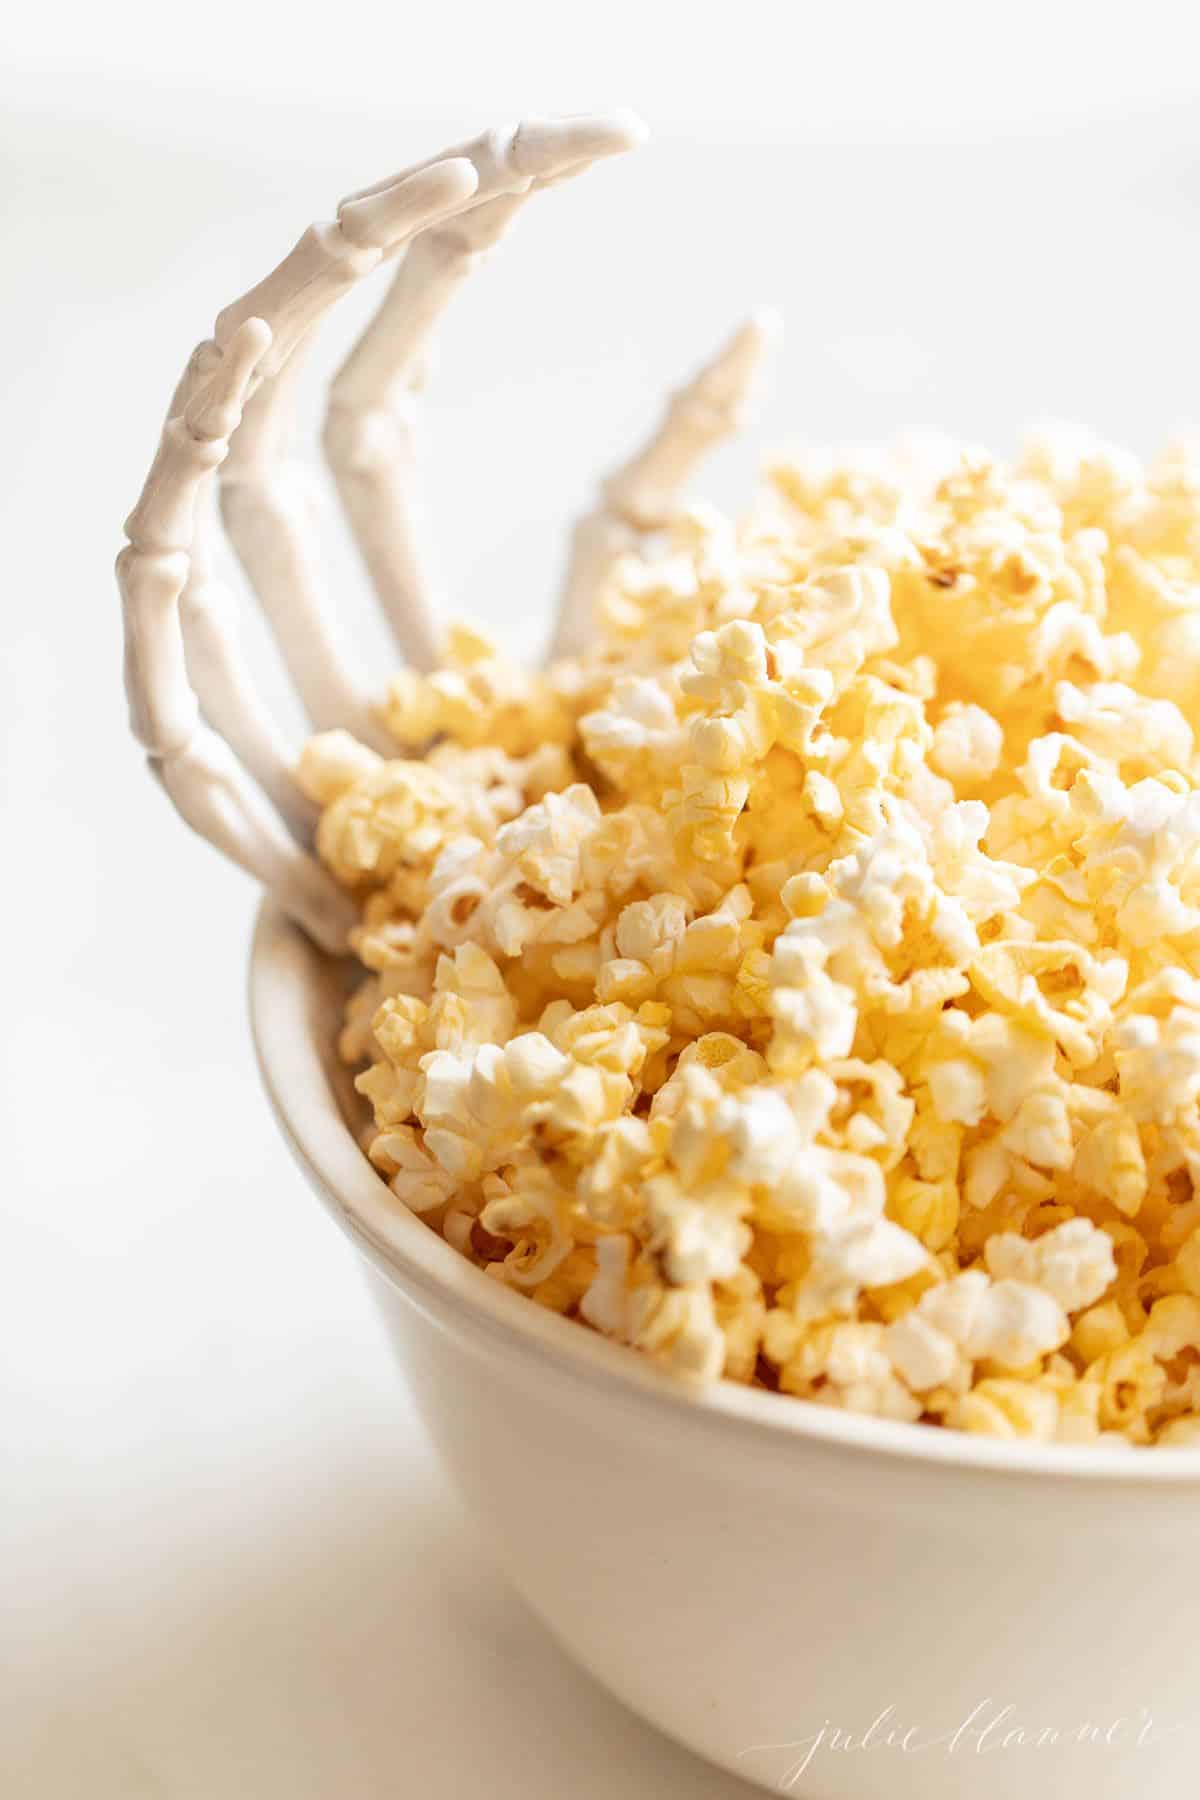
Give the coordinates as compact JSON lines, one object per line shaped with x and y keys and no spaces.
{"x":477,"y":697}
{"x":1098,"y":1331}
{"x":1180,"y":1434}
{"x":1131,"y":1384}
{"x":680,"y":1325}
{"x":958,"y":1090}
{"x":529,"y":1209}
{"x":418,"y":1179}
{"x":1005,"y":1408}
{"x":333,"y":762}
{"x":648,"y":929}
{"x":606,"y":1303}
{"x":1173,"y":1326}
{"x":1110,"y":1159}
{"x":967,"y":743}
{"x":1078,"y":1412}
{"x":698,"y":1236}
{"x":927,"y":1209}
{"x":845,"y":1365}
{"x":1187,"y":1262}
{"x":923,"y":1355}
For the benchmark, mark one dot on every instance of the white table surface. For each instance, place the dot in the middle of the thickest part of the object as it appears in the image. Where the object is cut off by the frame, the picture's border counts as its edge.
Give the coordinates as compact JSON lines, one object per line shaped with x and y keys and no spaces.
{"x":231,"y":1565}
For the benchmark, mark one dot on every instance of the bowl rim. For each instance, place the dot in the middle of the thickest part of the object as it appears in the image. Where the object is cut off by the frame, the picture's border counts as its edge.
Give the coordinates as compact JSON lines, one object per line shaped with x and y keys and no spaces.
{"x":289,"y":1014}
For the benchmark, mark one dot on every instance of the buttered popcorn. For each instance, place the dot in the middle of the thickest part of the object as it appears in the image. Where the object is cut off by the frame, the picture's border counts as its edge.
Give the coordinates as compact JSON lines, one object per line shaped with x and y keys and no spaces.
{"x":804,"y":986}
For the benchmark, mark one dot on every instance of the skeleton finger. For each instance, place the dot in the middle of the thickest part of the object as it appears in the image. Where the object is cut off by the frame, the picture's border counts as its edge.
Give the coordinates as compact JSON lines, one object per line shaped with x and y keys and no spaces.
{"x":228,"y":698}
{"x":329,"y":259}
{"x":371,"y":435}
{"x":270,"y":509}
{"x":208,"y":785}
{"x":643,"y":494}
{"x":267,"y":500}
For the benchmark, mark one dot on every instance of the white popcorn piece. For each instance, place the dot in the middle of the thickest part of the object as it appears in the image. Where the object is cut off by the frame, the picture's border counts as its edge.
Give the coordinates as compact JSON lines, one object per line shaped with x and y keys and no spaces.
{"x":1074,"y":1263}
{"x":605,"y":1305}
{"x":696,"y":1237}
{"x":1008,"y":1322}
{"x":967,"y":743}
{"x":924,"y":1356}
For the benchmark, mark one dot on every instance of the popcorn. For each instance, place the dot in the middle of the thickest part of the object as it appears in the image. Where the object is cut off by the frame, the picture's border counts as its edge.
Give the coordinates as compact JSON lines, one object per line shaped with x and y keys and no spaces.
{"x":845,"y":1365}
{"x":967,"y":743}
{"x":1010,"y":1409}
{"x":477,"y":697}
{"x":924,"y":1356}
{"x":1074,"y":1263}
{"x":803,"y":986}
{"x":697,"y":1237}
{"x":1007,"y":1322}
{"x":527,"y":1210}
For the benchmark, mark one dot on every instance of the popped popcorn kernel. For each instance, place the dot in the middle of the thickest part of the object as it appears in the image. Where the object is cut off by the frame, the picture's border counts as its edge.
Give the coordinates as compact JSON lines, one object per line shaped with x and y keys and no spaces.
{"x":1074,"y":1263}
{"x":1016,"y":1409}
{"x":802,"y":986}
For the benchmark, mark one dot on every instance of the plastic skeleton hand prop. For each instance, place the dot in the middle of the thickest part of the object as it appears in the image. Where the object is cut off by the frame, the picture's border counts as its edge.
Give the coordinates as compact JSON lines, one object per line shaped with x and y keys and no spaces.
{"x":209,"y":738}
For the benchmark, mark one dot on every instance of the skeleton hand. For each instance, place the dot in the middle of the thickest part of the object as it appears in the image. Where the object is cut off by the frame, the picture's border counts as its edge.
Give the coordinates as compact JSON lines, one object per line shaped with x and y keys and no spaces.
{"x":216,"y":750}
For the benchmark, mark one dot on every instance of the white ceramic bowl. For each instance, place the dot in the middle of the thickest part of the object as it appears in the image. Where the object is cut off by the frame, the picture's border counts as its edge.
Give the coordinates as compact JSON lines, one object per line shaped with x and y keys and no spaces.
{"x":825,"y":1604}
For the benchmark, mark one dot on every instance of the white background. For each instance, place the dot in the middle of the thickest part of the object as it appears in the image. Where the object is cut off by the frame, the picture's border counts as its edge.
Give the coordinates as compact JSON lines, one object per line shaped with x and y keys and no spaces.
{"x":230,"y":1566}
